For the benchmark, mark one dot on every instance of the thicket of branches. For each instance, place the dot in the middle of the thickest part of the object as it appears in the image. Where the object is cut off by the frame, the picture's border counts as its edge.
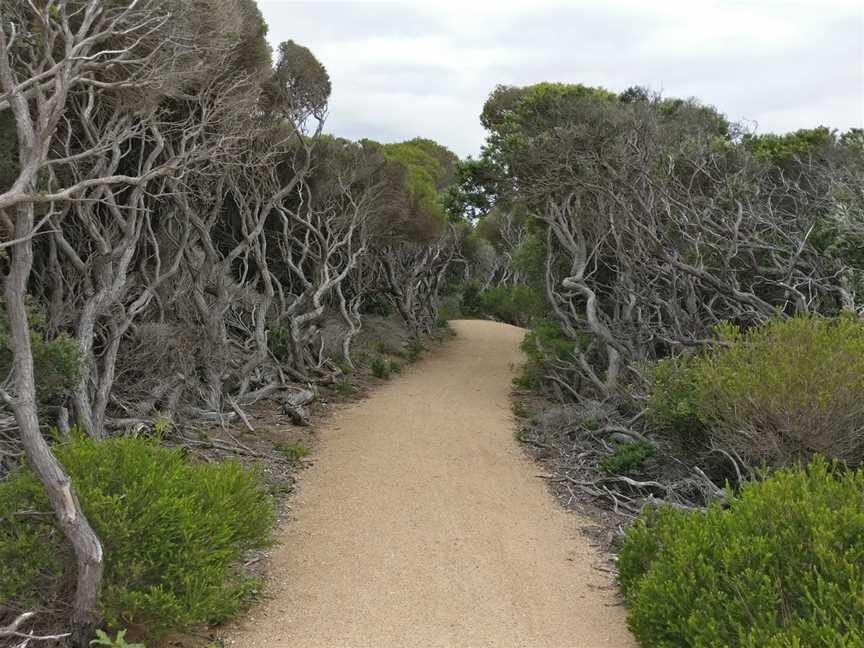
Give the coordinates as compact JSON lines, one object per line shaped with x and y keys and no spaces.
{"x":649,"y":224}
{"x":168,"y":207}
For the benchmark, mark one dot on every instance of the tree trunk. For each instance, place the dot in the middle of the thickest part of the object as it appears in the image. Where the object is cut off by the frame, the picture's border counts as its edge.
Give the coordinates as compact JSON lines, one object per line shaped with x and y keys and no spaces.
{"x":88,"y":550}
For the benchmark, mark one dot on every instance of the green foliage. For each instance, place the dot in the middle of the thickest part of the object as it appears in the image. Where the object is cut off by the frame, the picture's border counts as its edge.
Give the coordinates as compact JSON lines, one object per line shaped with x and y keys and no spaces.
{"x":9,"y":165}
{"x":783,"y":148}
{"x":471,"y":304}
{"x":775,"y":393}
{"x":428,"y":170}
{"x":25,"y":556}
{"x":782,"y":566}
{"x":627,"y":458}
{"x":385,"y":348}
{"x":474,"y":190}
{"x":546,"y":341}
{"x":415,"y":349}
{"x":520,"y":112}
{"x":299,"y":86}
{"x":102,"y":639}
{"x":590,"y":423}
{"x":530,"y":259}
{"x":171,"y":533}
{"x":450,"y":308}
{"x":381,"y":368}
{"x":57,"y":362}
{"x":293,"y":452}
{"x":520,"y":410}
{"x":279,"y":342}
{"x":343,"y":365}
{"x":346,"y":388}
{"x":518,"y":305}
{"x":674,"y":403}
{"x":530,"y":377}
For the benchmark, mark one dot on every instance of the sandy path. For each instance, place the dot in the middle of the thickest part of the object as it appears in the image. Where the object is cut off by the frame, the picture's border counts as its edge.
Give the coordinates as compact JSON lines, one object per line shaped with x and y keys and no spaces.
{"x":422,"y":524}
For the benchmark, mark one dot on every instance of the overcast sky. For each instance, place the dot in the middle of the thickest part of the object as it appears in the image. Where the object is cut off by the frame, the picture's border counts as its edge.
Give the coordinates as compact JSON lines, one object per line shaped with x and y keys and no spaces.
{"x":401,"y":70}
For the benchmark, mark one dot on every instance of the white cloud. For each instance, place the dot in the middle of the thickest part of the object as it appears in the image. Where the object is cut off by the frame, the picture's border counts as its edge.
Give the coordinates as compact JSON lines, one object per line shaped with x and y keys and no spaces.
{"x":400,"y":70}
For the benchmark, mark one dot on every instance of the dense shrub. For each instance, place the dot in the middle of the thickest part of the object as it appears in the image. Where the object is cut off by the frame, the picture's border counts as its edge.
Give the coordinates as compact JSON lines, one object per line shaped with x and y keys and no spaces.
{"x":469,"y":299}
{"x":450,"y":308}
{"x":545,"y":342}
{"x":293,"y":452}
{"x":279,"y":342}
{"x":414,"y":350}
{"x":786,"y":390}
{"x":171,"y":533}
{"x":381,"y":368}
{"x":627,"y":458}
{"x":519,"y":305}
{"x":782,"y":566}
{"x":675,"y":397}
{"x":57,"y":361}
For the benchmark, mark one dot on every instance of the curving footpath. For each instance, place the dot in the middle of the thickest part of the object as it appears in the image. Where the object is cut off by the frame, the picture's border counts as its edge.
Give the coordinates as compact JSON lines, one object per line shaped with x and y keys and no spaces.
{"x":422,"y":524}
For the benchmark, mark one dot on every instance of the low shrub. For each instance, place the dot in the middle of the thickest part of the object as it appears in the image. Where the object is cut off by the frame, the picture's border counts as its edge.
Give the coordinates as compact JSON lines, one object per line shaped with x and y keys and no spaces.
{"x":547,"y":340}
{"x":346,"y":388}
{"x":449,"y":309}
{"x":470,"y":303}
{"x":344,"y":366}
{"x":293,"y":452}
{"x":591,"y":423}
{"x":774,"y":394}
{"x":381,"y":368}
{"x":519,"y":305}
{"x":415,"y":349}
{"x":627,"y":458}
{"x":385,"y":348}
{"x":171,"y":533}
{"x":103,"y":639}
{"x":57,"y":361}
{"x":520,"y":410}
{"x":530,"y":377}
{"x":674,"y":403}
{"x":544,"y":342}
{"x":782,"y":566}
{"x":279,"y":342}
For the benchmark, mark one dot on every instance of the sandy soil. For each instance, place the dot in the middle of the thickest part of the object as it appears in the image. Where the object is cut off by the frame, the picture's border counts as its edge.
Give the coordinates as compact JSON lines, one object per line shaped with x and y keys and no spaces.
{"x":423,"y":524}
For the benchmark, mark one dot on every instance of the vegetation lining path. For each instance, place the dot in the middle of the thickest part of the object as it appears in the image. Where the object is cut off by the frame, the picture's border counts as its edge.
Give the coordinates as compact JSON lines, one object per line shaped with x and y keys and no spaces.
{"x":422,"y":524}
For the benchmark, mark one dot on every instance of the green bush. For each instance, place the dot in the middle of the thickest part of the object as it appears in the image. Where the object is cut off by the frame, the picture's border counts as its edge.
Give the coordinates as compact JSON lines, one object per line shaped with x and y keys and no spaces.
{"x":674,"y":403}
{"x":279,"y":342}
{"x":414,"y":350}
{"x":470,"y":300}
{"x":547,"y":340}
{"x":449,"y":309}
{"x":57,"y":362}
{"x":519,"y":305}
{"x":544,"y":342}
{"x":293,"y":452}
{"x":782,"y":566}
{"x":385,"y":348}
{"x":774,"y":394}
{"x":171,"y":533}
{"x":627,"y":458}
{"x":530,"y":376}
{"x":103,"y":639}
{"x":381,"y":368}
